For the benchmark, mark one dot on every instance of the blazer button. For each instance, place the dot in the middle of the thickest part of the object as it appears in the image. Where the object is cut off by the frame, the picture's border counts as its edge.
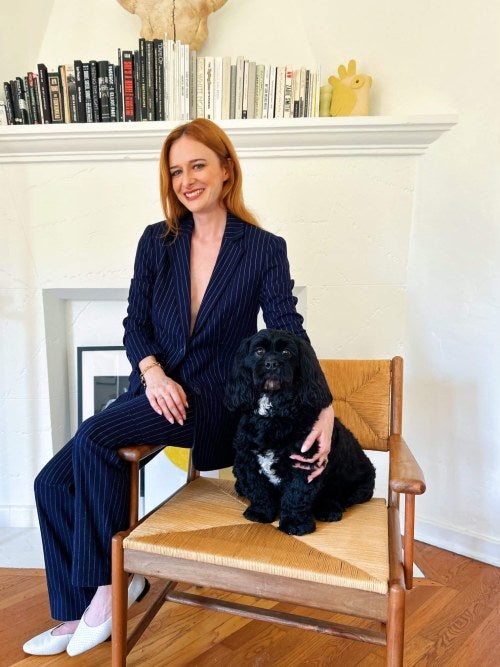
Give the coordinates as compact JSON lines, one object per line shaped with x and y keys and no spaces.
{"x":196,"y":390}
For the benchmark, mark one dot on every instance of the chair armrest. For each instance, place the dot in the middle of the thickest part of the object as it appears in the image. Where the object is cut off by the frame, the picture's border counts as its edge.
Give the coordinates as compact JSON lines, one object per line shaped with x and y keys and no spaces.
{"x":135,"y":453}
{"x":405,"y":475}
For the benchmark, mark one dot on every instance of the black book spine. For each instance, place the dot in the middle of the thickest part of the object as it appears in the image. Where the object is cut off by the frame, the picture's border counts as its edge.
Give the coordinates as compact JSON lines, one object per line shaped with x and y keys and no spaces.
{"x":119,"y":87}
{"x":80,"y":92}
{"x":89,"y":111}
{"x":23,"y":100}
{"x":103,"y":83}
{"x":150,"y":81}
{"x":112,"y":93}
{"x":137,"y":86}
{"x":35,"y":97}
{"x":142,"y":77}
{"x":18,"y":116}
{"x":56,"y":98}
{"x":9,"y":106}
{"x":128,"y":86}
{"x":72,"y":93}
{"x":159,"y":80}
{"x":43,"y":80}
{"x":94,"y":90}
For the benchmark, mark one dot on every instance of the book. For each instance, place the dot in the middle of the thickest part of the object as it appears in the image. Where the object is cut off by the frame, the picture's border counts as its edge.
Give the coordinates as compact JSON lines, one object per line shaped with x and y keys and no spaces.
{"x":272,"y":92}
{"x":150,"y":81}
{"x":252,"y":73}
{"x":89,"y":109}
{"x":192,"y":84}
{"x":259,"y":91}
{"x":240,"y":67}
{"x":280,"y":92}
{"x":113,"y":93}
{"x":232,"y":95}
{"x":128,"y":86}
{"x":159,"y":79}
{"x":103,"y":87}
{"x":56,"y":97}
{"x":3,"y":114}
{"x":94,"y":90}
{"x":217,"y":115}
{"x":226,"y":88}
{"x":80,"y":92}
{"x":141,"y":76}
{"x":200,"y":87}
{"x":32,"y":92}
{"x":119,"y":89}
{"x":288,"y":95}
{"x":9,"y":107}
{"x":43,"y":80}
{"x":209,"y":87}
{"x":23,"y":104}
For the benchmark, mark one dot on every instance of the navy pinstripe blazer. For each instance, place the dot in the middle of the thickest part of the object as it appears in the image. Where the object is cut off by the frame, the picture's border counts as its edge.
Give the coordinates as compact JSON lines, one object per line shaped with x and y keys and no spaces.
{"x":251,"y":271}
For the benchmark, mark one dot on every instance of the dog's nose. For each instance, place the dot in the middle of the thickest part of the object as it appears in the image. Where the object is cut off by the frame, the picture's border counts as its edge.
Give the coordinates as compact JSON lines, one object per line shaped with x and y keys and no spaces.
{"x":271,"y":365}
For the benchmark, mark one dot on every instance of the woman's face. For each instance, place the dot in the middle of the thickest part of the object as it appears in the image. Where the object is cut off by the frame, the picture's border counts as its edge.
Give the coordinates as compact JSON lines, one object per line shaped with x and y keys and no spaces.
{"x":197,"y":176}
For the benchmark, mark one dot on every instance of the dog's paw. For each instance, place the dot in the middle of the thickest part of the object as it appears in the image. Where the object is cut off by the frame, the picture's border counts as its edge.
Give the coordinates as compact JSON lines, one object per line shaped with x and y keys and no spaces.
{"x":332,"y":515}
{"x":291,"y":526}
{"x":259,"y":515}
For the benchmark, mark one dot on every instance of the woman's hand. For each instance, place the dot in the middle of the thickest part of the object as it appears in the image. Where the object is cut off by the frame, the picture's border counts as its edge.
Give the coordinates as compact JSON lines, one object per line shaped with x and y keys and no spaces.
{"x":165,"y":396}
{"x":322,"y":433}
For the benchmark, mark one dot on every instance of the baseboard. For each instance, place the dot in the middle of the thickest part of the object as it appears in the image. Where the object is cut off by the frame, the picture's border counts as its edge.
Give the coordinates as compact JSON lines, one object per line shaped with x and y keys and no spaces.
{"x":470,"y":544}
{"x":18,"y":516}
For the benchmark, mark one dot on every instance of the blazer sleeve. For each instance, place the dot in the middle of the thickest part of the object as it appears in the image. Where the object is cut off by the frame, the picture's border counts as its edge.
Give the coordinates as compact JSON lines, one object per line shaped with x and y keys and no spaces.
{"x":276,"y":298}
{"x":139,"y":338}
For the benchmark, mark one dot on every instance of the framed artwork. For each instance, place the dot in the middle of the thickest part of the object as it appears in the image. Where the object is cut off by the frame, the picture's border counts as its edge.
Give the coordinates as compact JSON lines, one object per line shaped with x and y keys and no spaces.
{"x":102,"y":376}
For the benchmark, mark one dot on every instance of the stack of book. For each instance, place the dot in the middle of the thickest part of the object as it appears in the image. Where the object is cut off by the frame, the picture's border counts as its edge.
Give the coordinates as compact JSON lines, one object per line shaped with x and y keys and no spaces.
{"x":161,"y":80}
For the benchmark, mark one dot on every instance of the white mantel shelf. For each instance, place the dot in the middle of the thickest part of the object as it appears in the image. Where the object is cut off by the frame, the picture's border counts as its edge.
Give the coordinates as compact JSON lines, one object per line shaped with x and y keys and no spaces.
{"x":304,"y":137}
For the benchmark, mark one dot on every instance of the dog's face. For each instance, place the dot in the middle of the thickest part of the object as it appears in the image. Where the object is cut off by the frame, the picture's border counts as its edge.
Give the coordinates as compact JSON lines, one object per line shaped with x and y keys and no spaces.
{"x":273,"y":359}
{"x":276,"y":362}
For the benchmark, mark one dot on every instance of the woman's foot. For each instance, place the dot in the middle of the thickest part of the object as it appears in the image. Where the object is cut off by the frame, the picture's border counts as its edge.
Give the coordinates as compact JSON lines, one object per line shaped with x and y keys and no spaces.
{"x":95,"y":625}
{"x":51,"y":642}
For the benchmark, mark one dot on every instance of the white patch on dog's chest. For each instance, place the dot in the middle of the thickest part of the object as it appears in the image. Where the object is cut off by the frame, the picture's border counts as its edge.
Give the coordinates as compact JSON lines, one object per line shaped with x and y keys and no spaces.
{"x":265,"y":406}
{"x":266,"y":461}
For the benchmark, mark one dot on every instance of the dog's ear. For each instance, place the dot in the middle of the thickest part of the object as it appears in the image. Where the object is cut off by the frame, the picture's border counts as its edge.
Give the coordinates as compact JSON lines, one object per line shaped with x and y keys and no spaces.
{"x":239,"y":389}
{"x":312,"y":385}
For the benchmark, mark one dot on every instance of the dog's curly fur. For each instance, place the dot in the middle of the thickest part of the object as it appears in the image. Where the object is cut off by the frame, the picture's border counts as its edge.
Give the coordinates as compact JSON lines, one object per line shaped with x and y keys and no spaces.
{"x":279,"y":389}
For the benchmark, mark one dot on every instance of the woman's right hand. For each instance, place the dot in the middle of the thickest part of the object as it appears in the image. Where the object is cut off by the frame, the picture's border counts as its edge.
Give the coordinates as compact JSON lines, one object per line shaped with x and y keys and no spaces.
{"x":166,"y":396}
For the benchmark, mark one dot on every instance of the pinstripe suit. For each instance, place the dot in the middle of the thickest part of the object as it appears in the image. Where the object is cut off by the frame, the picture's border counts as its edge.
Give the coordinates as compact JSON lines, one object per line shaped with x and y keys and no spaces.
{"x":82,"y":493}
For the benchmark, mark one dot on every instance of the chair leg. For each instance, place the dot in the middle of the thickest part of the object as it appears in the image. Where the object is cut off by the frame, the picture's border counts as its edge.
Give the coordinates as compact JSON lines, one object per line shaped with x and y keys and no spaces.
{"x":120,"y":607}
{"x":395,"y":626}
{"x":409,"y":539}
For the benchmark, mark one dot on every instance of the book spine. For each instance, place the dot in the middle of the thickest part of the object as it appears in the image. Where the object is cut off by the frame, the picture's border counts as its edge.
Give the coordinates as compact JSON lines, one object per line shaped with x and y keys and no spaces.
{"x":244,"y":99}
{"x":280,"y":92}
{"x":226,"y":88}
{"x":288,"y":98}
{"x":9,"y":106}
{"x":232,"y":95}
{"x":128,"y":86}
{"x":272,"y":91}
{"x":192,"y":84}
{"x":119,"y":87}
{"x":187,"y":82}
{"x":34,"y":100}
{"x":159,"y":80}
{"x":80,"y":92}
{"x":200,"y":87}
{"x":64,"y":88}
{"x":103,"y":86}
{"x":44,"y":93}
{"x":259,"y":91}
{"x":295,"y":112}
{"x":252,"y":74}
{"x":240,"y":67}
{"x":56,"y":101}
{"x":23,"y":101}
{"x":72,"y":93}
{"x":89,"y":111}
{"x":142,"y":78}
{"x":29,"y":101}
{"x":113,"y":112}
{"x":209,"y":87}
{"x":3,"y":114}
{"x":136,"y":59}
{"x":150,"y":93}
{"x":94,"y":90}
{"x":218,"y":88}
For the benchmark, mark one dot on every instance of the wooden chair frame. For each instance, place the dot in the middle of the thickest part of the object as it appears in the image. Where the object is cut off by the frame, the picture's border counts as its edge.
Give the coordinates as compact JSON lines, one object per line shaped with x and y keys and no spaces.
{"x":405,"y":477}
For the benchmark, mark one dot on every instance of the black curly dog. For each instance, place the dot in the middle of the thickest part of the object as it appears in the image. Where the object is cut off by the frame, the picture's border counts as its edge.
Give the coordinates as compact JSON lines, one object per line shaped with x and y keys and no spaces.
{"x":279,"y":389}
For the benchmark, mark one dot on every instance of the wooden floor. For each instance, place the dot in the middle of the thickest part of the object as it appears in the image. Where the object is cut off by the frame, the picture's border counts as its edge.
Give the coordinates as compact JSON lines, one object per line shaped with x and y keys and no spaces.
{"x":453,"y":618}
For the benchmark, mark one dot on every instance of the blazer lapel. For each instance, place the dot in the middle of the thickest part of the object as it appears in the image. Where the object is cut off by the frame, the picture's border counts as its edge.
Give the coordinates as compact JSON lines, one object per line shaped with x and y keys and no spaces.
{"x":180,"y":252}
{"x":230,"y":254}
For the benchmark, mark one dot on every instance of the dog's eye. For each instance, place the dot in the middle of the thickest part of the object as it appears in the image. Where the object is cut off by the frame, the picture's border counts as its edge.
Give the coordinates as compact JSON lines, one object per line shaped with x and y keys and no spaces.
{"x":259,"y":351}
{"x":286,"y":354}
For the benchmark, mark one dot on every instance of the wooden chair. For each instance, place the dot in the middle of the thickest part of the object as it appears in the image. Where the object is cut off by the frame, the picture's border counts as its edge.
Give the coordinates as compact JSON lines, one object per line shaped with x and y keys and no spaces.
{"x":356,"y":567}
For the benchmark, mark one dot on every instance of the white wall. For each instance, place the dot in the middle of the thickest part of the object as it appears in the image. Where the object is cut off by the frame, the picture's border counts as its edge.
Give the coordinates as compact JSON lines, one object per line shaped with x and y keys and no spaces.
{"x":423,"y":283}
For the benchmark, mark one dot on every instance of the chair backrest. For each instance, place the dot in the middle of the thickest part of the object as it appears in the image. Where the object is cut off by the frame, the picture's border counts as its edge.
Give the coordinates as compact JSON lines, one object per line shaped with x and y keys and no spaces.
{"x":367,"y":397}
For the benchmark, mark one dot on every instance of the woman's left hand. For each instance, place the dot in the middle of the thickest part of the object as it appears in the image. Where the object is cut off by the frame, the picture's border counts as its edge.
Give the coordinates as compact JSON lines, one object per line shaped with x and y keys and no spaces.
{"x":322,"y":433}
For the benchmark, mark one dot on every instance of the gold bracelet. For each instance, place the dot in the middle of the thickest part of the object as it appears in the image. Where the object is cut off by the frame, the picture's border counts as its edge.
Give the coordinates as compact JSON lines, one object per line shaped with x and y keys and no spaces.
{"x":148,"y":368}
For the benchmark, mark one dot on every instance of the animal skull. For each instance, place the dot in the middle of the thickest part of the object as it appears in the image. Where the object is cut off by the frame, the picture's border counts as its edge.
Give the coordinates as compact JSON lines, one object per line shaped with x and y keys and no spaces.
{"x":185,"y":20}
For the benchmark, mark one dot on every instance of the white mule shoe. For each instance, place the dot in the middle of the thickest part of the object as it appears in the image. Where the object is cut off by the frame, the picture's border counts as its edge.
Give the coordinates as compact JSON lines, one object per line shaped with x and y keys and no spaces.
{"x":47,"y":644}
{"x":86,"y":636}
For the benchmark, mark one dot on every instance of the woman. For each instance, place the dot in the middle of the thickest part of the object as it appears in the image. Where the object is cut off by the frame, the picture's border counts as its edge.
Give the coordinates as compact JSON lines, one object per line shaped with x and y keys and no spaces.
{"x":196,"y":291}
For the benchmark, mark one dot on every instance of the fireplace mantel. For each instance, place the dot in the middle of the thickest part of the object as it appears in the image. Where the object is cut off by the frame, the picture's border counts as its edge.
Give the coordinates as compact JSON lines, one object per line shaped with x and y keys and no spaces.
{"x":308,"y":137}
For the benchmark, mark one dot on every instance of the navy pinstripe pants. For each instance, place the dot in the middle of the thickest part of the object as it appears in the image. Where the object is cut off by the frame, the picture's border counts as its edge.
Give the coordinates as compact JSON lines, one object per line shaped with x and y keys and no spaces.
{"x":82,"y":498}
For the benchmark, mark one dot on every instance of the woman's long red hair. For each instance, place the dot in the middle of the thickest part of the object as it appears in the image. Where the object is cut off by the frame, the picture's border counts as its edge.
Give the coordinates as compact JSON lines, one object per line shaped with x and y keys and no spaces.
{"x":212,"y":136}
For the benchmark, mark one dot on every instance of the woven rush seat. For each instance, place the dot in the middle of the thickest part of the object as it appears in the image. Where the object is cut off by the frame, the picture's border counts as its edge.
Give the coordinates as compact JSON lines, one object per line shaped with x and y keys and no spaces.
{"x":205,"y":522}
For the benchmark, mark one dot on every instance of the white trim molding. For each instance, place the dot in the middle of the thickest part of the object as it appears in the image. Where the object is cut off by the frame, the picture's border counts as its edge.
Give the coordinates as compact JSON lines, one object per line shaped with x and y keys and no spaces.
{"x":293,"y":137}
{"x":474,"y":545}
